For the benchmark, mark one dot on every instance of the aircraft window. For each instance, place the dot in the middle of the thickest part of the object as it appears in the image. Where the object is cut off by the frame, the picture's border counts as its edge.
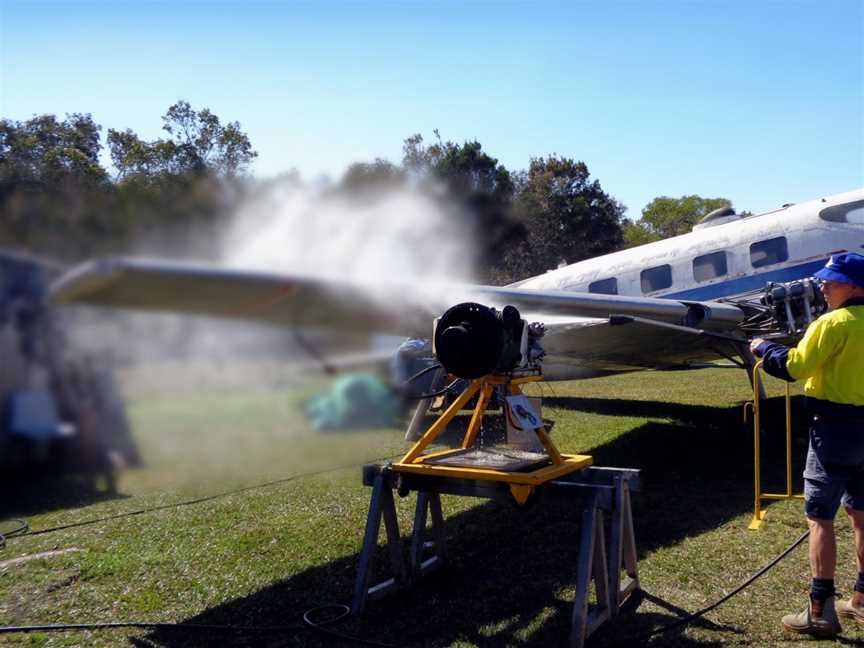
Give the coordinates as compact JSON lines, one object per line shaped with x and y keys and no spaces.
{"x":604,"y":286}
{"x":847,"y":213}
{"x":709,"y":266}
{"x":656,"y":278}
{"x":769,"y":252}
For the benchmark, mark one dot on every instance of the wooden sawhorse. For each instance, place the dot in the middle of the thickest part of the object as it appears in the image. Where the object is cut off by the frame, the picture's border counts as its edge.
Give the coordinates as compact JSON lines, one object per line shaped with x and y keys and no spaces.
{"x":597,"y":491}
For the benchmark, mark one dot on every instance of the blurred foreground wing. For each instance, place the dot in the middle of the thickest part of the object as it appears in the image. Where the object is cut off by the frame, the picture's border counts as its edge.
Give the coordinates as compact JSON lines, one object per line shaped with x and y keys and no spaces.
{"x":152,"y":284}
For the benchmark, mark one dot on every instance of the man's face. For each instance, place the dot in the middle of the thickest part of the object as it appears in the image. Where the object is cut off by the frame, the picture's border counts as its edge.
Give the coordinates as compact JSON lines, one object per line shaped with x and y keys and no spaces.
{"x":836,"y":292}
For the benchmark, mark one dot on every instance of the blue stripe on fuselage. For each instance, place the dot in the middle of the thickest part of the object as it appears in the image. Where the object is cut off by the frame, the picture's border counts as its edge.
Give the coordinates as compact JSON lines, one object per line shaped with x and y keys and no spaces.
{"x":748,"y":283}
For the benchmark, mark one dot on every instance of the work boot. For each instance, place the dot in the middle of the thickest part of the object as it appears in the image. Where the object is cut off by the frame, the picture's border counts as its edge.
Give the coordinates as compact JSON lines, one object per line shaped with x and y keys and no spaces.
{"x":819,"y":619}
{"x":853,"y":608}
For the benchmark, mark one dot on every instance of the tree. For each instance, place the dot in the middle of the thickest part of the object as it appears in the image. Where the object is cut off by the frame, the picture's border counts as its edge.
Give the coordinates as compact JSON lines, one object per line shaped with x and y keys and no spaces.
{"x":665,"y":217}
{"x":42,"y":152}
{"x":56,"y":198}
{"x":371,"y":177}
{"x":199,"y":145}
{"x":567,"y":215}
{"x":477,"y":183}
{"x":202,"y":142}
{"x":54,"y":194}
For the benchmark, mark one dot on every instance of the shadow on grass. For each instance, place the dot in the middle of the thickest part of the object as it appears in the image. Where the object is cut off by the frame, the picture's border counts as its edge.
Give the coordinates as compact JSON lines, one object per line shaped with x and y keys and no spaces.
{"x":511,"y":570}
{"x":41,"y":493}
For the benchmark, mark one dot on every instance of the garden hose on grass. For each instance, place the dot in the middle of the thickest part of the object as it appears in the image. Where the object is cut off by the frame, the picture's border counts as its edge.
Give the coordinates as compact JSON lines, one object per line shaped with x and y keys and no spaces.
{"x":700,"y":613}
{"x":22,"y":529}
{"x":310,"y":620}
{"x":343,"y":611}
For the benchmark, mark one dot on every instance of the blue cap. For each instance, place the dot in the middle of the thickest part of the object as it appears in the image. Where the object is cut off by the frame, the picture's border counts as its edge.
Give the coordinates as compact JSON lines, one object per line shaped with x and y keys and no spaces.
{"x":845,"y":268}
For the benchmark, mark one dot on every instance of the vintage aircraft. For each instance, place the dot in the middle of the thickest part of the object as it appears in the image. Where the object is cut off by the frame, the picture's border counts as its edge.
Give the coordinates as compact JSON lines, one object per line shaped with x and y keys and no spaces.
{"x":670,"y":304}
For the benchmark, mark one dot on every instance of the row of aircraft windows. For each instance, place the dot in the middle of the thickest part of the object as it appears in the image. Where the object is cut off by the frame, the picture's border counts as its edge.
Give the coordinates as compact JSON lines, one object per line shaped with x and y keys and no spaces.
{"x":705,"y":267}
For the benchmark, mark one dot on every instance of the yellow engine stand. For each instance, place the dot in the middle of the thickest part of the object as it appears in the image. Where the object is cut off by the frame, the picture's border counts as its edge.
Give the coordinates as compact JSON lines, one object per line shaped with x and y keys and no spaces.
{"x":522,"y":484}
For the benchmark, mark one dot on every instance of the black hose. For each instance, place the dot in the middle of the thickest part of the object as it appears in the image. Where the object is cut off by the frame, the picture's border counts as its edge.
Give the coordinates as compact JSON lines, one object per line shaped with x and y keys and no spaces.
{"x":440,"y":392}
{"x":344,"y":612}
{"x":422,"y":372}
{"x":699,"y":613}
{"x":22,"y":529}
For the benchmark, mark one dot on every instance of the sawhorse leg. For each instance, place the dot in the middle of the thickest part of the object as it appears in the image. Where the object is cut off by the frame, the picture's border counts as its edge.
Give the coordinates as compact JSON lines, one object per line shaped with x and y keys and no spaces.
{"x":381,"y":505}
{"x":592,"y":566}
{"x":622,"y":548}
{"x":427,"y":502}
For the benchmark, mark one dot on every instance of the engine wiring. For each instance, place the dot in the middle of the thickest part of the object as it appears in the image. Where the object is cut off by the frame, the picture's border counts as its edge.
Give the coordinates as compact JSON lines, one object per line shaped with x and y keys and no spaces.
{"x":434,"y":394}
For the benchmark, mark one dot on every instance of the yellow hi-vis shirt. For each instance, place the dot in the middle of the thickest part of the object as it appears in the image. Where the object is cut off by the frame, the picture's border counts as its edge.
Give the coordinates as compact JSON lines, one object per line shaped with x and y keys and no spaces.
{"x":831,"y":357}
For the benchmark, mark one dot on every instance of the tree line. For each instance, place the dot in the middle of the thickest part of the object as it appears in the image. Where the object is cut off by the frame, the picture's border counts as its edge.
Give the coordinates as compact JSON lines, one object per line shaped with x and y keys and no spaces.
{"x":57,"y":198}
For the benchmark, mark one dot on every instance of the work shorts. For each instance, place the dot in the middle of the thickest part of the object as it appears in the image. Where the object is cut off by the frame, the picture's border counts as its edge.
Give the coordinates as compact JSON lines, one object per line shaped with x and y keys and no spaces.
{"x":834,"y":470}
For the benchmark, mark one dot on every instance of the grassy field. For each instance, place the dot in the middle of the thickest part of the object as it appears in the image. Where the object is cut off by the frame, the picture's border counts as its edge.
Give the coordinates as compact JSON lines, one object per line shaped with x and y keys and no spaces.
{"x":265,"y":555}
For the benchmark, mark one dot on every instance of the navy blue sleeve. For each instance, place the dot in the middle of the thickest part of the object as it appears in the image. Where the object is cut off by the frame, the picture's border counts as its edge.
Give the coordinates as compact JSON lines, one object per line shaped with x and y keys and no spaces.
{"x":774,"y":360}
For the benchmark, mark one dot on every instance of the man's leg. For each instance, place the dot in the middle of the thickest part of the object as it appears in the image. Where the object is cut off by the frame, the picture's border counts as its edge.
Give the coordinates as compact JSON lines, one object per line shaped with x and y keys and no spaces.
{"x":854,"y":607}
{"x":822,"y":493}
{"x":823,"y":549}
{"x":857,"y":518}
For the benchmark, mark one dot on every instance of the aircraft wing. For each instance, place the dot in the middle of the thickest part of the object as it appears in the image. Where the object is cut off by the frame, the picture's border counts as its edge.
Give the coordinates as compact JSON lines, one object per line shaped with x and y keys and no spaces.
{"x":155,"y":284}
{"x":589,"y":331}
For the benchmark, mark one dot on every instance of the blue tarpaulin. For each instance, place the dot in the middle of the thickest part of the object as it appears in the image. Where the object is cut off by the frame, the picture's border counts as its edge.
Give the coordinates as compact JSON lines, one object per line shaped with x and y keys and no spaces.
{"x":359,"y":400}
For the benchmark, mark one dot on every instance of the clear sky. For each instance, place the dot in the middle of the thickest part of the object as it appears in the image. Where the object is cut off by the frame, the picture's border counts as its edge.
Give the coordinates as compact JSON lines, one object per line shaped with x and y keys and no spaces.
{"x":758,"y":102}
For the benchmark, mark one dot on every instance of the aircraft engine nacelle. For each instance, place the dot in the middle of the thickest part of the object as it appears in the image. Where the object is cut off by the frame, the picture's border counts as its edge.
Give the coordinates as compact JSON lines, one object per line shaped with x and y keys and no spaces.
{"x":472,"y":340}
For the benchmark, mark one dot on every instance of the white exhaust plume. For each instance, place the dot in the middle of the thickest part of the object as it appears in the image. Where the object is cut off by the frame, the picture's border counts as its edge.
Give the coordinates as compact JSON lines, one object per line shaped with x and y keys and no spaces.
{"x":398,"y":235}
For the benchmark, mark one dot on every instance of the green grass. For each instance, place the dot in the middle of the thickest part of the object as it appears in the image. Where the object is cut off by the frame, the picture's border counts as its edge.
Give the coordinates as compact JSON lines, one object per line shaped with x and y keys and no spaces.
{"x":265,"y":555}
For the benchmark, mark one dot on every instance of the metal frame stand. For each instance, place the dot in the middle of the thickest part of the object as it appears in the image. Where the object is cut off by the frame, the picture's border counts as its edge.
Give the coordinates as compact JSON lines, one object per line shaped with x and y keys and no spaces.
{"x":522,"y":483}
{"x":597,"y":491}
{"x":758,"y":496}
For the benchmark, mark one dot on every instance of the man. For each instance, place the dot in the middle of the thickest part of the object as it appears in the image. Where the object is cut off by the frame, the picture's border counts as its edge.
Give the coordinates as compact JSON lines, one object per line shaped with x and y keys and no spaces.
{"x":831,"y":357}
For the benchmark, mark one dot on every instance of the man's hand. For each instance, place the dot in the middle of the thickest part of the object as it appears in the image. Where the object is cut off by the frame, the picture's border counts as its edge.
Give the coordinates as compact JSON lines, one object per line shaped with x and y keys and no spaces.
{"x":754,"y":343}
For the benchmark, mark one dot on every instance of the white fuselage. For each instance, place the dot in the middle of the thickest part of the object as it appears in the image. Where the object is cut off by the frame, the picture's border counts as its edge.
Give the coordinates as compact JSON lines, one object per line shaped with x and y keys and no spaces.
{"x":726,"y":259}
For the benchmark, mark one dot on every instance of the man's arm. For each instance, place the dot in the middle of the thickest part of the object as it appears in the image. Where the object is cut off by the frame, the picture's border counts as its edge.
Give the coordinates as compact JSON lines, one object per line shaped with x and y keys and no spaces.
{"x":774,"y":357}
{"x":802,"y":361}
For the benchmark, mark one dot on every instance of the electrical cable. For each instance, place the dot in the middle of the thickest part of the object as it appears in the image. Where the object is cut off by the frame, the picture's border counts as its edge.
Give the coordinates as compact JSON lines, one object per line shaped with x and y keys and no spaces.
{"x":700,"y":613}
{"x":440,"y":392}
{"x":318,"y":625}
{"x":345,"y":611}
{"x":199,"y":500}
{"x":66,"y":627}
{"x":422,"y":372}
{"x":404,"y":386}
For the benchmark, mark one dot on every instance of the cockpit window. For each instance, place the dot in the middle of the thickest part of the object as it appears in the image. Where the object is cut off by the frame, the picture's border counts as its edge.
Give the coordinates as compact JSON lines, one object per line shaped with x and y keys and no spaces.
{"x":846,"y":213}
{"x":604,"y":286}
{"x":656,"y":278}
{"x":769,"y":252}
{"x":709,"y":266}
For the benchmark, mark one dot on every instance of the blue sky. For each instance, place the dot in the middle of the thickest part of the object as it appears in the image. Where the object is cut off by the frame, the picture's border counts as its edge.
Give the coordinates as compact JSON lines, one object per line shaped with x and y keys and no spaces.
{"x":759,"y":102}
